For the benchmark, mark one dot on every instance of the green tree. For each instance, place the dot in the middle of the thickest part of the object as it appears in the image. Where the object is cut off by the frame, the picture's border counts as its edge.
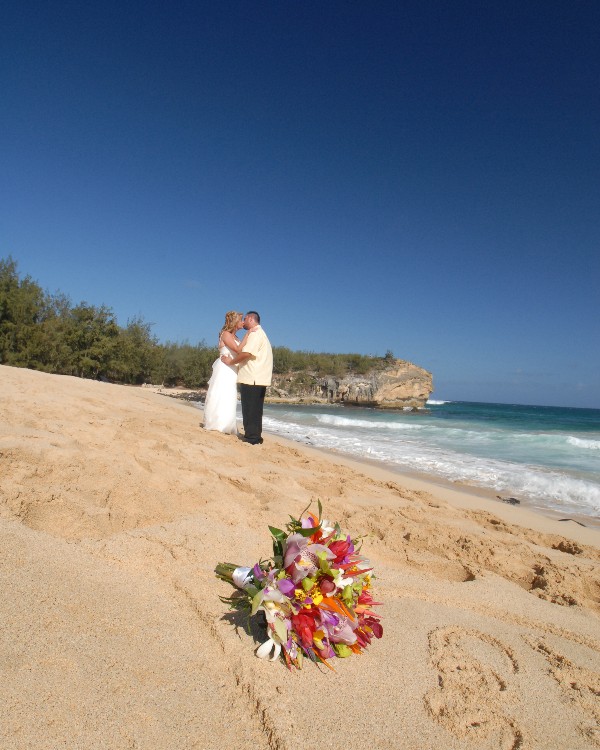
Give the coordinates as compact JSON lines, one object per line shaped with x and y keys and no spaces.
{"x":184,"y":364}
{"x":92,"y":338}
{"x":136,"y":354}
{"x":23,"y":306}
{"x":282,"y":359}
{"x":56,"y":354}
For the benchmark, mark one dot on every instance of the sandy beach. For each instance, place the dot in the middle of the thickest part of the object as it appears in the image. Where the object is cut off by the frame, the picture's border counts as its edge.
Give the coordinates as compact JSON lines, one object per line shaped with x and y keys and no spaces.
{"x":115,"y":507}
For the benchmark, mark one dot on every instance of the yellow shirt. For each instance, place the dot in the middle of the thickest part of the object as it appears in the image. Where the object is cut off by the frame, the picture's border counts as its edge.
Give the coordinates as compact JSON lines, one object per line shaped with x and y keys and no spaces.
{"x":259,"y":369}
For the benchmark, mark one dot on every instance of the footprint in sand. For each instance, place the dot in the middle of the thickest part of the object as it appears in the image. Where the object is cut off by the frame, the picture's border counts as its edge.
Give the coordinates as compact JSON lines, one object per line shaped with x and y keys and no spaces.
{"x":580,"y":685}
{"x":472,"y":699}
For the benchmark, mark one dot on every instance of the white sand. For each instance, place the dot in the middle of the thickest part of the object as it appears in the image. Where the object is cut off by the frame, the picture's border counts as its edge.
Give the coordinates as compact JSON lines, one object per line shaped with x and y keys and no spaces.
{"x":114,"y":508}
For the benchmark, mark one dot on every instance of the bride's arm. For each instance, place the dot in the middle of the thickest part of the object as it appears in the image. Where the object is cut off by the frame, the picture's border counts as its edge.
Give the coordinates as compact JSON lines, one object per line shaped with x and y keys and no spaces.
{"x":230,"y":340}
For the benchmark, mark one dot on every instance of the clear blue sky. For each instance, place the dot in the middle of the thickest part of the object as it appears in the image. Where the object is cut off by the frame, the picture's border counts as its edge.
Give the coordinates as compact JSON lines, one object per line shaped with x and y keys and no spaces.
{"x":416,"y":176}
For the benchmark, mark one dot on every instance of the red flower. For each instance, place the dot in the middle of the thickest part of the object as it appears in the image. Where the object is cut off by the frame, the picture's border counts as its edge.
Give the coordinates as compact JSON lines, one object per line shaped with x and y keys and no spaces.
{"x":340,"y":549}
{"x":366,"y":599}
{"x":375,"y":626}
{"x":304,"y":624}
{"x":368,"y":627}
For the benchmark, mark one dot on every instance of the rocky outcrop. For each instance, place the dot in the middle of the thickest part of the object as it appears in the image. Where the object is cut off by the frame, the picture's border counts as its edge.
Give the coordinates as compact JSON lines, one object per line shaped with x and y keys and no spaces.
{"x":395,"y":385}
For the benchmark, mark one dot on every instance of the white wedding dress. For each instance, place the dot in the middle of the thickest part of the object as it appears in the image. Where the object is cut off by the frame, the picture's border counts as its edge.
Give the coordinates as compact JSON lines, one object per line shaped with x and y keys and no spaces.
{"x":221,"y":398}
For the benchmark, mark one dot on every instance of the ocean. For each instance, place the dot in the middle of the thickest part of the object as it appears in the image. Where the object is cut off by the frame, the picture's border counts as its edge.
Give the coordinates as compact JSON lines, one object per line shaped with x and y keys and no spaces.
{"x":547,"y":457}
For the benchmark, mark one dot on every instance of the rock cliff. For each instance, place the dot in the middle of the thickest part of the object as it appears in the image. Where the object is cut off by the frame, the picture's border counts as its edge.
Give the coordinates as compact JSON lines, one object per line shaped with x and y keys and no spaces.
{"x":395,"y":385}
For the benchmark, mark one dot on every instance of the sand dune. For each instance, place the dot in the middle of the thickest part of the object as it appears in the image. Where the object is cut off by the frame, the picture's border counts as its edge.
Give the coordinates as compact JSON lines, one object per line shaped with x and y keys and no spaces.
{"x":115,"y":507}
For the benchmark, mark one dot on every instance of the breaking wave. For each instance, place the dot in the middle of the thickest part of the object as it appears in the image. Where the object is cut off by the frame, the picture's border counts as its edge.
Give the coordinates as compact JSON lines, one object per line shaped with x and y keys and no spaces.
{"x":592,"y":445}
{"x":550,"y":468}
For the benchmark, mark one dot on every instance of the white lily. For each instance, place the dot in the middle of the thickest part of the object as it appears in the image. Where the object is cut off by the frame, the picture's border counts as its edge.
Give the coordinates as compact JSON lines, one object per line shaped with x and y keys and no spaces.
{"x":265,"y":648}
{"x":339,"y":580}
{"x":278,"y":626}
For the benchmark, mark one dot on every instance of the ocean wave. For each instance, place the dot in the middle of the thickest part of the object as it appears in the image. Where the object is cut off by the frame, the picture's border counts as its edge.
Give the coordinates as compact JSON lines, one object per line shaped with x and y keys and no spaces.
{"x":430,"y":432}
{"x":435,"y":402}
{"x":593,"y":445}
{"x":548,"y":449}
{"x":371,"y":424}
{"x":546,"y":486}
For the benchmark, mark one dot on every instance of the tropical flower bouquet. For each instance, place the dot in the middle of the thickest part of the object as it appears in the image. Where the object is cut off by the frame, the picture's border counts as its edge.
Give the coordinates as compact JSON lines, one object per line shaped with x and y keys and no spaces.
{"x":315,"y":593}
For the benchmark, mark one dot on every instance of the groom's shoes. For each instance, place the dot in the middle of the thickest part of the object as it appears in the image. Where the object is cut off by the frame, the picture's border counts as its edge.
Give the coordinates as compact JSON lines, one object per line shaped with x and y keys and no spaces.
{"x":252,"y":442}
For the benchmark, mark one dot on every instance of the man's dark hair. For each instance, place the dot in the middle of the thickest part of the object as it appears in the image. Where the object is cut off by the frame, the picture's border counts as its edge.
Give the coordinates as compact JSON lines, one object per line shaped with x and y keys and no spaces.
{"x":255,"y":314}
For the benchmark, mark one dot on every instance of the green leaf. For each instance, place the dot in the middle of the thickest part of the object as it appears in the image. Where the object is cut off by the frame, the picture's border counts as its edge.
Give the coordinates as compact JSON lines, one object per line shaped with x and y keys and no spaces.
{"x":278,"y":533}
{"x":324,"y":565}
{"x":310,"y":531}
{"x":279,"y":538}
{"x":347,"y":595}
{"x":281,"y":630}
{"x":256,"y":602}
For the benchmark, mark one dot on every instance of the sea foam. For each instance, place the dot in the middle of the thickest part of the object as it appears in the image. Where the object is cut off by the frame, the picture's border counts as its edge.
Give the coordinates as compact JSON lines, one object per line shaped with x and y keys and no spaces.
{"x":553,"y":469}
{"x":592,"y":445}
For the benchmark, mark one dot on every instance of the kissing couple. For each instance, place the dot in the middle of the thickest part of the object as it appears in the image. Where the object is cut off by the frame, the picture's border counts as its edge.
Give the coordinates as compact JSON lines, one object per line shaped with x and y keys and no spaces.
{"x":249,"y":363}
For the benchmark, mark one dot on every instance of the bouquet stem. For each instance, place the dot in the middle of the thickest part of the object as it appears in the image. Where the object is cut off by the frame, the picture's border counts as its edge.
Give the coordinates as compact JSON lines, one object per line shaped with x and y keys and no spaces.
{"x":224,"y":571}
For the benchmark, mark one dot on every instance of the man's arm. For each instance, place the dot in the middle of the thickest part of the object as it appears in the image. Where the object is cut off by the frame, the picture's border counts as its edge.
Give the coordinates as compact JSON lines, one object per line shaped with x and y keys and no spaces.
{"x":240,"y":358}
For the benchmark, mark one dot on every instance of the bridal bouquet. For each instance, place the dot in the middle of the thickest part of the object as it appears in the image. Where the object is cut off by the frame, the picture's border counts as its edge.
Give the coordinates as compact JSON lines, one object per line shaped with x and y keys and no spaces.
{"x":315,"y":593}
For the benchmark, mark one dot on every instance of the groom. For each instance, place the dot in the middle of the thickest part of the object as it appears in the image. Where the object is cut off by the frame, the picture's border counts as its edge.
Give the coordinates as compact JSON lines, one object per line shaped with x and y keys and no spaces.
{"x":255,"y":373}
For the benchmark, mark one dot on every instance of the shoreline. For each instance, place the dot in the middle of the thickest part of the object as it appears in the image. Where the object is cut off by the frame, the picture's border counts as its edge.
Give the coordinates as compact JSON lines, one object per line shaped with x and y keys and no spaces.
{"x":583,"y":529}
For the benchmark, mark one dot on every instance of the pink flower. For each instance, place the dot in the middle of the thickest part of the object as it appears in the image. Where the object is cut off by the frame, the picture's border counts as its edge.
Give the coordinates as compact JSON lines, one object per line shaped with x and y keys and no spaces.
{"x":286,"y":586}
{"x":339,"y":628}
{"x":342,"y":549}
{"x":301,"y":557}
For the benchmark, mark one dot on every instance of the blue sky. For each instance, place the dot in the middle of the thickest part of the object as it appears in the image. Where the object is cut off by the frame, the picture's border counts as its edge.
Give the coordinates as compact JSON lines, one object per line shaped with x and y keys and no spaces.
{"x":422,"y":177}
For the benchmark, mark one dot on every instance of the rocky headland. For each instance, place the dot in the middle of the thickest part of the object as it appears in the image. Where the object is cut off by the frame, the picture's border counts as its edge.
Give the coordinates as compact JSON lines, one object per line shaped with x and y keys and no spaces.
{"x":396,"y":384}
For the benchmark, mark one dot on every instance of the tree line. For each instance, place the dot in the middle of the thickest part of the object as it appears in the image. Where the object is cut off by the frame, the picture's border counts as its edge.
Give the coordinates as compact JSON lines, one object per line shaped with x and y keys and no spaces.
{"x":46,"y":332}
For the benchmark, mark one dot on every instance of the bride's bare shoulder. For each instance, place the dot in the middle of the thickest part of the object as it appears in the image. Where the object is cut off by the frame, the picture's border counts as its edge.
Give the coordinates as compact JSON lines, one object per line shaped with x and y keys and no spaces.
{"x":229,"y":340}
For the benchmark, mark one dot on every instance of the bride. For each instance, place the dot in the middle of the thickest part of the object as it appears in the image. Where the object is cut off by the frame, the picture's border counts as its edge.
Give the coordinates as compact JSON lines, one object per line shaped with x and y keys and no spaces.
{"x":221,"y":398}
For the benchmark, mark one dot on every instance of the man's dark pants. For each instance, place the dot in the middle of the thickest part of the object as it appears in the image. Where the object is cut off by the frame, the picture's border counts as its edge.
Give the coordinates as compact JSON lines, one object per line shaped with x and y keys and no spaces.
{"x":253,"y":399}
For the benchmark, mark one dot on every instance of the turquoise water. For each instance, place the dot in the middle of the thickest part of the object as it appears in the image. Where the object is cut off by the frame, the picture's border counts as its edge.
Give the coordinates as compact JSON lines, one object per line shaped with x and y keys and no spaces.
{"x":548,"y":456}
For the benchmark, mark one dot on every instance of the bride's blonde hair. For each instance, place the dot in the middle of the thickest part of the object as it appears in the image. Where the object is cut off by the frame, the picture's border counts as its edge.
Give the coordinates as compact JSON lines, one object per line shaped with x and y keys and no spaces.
{"x":231,"y":319}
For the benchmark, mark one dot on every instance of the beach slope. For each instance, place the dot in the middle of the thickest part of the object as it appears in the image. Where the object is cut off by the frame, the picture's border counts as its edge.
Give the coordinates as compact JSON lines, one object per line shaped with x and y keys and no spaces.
{"x":115,"y":507}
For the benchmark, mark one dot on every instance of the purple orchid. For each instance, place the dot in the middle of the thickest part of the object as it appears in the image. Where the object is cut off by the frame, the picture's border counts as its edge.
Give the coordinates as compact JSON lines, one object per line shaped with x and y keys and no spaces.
{"x":340,"y":629}
{"x":286,"y":587}
{"x":302,"y":556}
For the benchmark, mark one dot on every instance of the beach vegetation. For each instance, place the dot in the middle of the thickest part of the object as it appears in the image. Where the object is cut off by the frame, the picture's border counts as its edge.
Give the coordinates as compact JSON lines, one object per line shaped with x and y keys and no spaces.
{"x":323,"y":364}
{"x":44,"y":331}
